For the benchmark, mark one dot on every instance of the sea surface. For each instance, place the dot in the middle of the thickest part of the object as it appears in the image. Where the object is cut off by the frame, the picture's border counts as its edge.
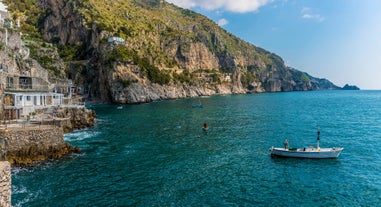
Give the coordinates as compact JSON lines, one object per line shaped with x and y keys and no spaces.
{"x":156,"y":154}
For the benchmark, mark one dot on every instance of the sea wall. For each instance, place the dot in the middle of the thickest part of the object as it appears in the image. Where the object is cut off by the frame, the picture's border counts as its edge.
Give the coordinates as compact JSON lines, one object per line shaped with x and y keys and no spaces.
{"x":27,"y":145}
{"x":5,"y":184}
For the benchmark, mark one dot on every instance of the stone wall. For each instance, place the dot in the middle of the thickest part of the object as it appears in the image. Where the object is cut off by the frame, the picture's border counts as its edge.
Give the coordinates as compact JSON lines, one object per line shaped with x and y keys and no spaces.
{"x":5,"y":184}
{"x":31,"y":144}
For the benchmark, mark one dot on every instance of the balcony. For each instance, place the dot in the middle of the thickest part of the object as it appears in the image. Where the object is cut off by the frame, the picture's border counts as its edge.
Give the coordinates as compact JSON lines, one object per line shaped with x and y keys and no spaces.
{"x":26,"y":84}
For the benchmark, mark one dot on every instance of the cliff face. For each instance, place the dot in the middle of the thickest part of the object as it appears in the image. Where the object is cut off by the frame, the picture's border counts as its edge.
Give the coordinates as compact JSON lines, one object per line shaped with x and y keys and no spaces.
{"x":64,"y":25}
{"x":167,"y":52}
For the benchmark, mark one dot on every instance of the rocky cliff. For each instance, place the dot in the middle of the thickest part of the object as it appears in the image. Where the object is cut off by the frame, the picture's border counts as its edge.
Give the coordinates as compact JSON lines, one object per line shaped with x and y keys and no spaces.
{"x":166,"y":52}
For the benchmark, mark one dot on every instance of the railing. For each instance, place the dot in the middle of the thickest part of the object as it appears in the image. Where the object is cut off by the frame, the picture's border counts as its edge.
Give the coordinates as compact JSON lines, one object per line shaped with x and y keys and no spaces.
{"x":27,"y":87}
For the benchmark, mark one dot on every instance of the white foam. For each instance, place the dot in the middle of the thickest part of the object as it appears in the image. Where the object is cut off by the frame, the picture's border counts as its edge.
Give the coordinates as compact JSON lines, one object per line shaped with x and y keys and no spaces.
{"x":80,"y":135}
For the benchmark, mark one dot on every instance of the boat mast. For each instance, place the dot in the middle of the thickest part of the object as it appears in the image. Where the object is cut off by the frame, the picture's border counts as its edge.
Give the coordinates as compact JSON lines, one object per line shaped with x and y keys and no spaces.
{"x":318,"y":137}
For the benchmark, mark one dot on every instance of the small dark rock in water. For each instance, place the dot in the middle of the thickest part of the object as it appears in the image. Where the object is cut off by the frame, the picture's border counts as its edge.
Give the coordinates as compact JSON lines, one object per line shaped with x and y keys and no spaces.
{"x":350,"y":87}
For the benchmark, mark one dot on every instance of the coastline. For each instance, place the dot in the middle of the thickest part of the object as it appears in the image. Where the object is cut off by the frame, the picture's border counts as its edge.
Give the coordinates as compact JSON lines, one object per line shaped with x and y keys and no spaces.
{"x":25,"y":143}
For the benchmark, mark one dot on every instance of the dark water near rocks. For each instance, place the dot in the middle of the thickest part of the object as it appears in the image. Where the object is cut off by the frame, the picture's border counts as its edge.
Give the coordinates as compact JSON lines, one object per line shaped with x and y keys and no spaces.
{"x":157,"y":155}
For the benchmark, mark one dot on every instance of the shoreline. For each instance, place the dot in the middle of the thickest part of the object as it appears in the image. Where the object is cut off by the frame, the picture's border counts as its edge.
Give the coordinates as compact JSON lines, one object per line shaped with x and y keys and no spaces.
{"x":27,"y":142}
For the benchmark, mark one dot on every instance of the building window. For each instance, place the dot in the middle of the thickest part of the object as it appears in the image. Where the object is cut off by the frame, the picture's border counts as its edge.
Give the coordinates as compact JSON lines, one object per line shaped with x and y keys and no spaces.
{"x":28,"y":98}
{"x":25,"y":83}
{"x":10,"y":82}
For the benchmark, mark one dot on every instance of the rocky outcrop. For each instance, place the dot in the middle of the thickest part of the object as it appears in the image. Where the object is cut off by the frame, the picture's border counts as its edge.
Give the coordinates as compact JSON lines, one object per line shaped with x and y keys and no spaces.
{"x":10,"y":39}
{"x":5,"y":184}
{"x":142,"y":90}
{"x":71,"y":118}
{"x":65,"y":26}
{"x":9,"y":46}
{"x":42,"y":140}
{"x":28,"y":145}
{"x":350,"y":87}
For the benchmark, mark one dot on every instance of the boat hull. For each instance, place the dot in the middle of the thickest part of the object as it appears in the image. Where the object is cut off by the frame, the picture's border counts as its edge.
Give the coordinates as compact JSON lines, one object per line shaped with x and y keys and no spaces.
{"x":322,"y":153}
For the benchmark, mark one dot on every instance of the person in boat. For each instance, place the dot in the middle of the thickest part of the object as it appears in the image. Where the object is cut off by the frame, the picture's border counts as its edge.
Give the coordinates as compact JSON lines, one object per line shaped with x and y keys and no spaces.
{"x":204,"y":127}
{"x":285,"y":143}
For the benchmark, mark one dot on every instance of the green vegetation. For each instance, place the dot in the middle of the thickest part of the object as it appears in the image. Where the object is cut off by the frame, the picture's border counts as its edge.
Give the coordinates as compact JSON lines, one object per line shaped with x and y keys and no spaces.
{"x":246,"y":79}
{"x":215,"y":78}
{"x":152,"y":72}
{"x":122,"y":54}
{"x":184,"y":77}
{"x":158,"y":37}
{"x":2,"y":46}
{"x":31,"y":12}
{"x":252,"y":68}
{"x":118,"y":54}
{"x":70,"y":52}
{"x":127,"y":82}
{"x":305,"y":78}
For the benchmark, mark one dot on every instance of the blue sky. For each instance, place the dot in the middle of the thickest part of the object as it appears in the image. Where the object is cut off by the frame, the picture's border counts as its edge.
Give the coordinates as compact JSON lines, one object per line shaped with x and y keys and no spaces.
{"x":339,"y":40}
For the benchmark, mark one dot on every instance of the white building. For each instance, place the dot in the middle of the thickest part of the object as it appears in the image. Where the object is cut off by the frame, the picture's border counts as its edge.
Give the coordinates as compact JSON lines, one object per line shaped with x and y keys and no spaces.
{"x":20,"y":104}
{"x":227,"y":78}
{"x":115,"y":40}
{"x":24,"y":94}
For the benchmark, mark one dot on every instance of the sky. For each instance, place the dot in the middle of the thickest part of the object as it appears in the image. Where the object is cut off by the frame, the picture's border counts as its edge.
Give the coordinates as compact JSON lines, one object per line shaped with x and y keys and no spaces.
{"x":339,"y":40}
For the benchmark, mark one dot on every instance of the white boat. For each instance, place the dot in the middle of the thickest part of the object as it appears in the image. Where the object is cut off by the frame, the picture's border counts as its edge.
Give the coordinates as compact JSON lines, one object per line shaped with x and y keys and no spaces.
{"x":307,"y":152}
{"x":318,"y":153}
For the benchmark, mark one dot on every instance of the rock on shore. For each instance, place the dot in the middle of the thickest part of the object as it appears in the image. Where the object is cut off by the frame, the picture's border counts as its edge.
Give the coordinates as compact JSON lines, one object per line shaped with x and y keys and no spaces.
{"x":34,"y":143}
{"x":76,"y":118}
{"x":26,"y":144}
{"x":5,"y":184}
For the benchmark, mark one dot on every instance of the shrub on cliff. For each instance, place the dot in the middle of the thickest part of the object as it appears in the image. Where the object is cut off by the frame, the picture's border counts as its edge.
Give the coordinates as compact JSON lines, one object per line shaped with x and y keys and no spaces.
{"x":121,"y":53}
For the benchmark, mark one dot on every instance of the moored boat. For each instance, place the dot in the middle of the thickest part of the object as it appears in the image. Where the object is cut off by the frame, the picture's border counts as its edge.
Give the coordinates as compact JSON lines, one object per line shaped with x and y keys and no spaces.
{"x":307,"y":152}
{"x":318,"y":153}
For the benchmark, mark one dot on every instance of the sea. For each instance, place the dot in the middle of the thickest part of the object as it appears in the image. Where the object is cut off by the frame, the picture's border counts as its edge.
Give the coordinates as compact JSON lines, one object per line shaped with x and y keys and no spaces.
{"x":156,"y":154}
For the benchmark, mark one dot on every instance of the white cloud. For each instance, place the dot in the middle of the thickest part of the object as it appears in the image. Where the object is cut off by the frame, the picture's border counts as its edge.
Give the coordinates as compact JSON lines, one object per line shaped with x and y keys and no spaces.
{"x":239,"y":6}
{"x":222,"y":22}
{"x":307,"y":13}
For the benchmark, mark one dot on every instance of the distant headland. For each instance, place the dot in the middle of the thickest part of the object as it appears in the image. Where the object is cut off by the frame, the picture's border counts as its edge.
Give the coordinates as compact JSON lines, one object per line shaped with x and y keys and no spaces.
{"x":350,"y":87}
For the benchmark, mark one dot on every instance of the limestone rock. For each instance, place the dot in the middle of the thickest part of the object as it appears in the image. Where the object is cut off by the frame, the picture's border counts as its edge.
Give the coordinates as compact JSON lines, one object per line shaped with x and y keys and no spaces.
{"x":168,"y":47}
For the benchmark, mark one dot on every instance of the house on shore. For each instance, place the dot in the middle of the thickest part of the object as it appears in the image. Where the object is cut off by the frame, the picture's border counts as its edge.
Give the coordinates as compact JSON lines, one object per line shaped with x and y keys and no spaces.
{"x":25,"y":93}
{"x":24,"y":85}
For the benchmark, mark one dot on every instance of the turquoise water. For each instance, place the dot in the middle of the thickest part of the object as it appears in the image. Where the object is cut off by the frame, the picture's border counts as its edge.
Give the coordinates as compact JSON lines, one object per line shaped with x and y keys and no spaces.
{"x":157,"y":155}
